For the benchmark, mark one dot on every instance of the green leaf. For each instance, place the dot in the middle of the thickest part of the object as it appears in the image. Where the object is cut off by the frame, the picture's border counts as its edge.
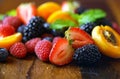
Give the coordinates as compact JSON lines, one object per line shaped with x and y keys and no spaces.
{"x":59,"y":24}
{"x":1,"y":16}
{"x":11,"y":12}
{"x":74,"y":15}
{"x":85,"y":19}
{"x":91,"y":15}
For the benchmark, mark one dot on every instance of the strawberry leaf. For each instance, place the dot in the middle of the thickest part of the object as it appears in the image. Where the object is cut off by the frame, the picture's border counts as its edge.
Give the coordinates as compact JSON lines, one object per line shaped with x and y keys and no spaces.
{"x":59,"y":24}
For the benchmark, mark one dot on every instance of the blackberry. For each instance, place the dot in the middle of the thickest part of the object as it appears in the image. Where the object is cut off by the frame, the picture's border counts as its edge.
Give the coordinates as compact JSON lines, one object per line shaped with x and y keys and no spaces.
{"x":3,"y":54}
{"x":80,"y":10}
{"x":34,"y":28}
{"x":87,"y":55}
{"x":103,"y":21}
{"x":88,"y":27}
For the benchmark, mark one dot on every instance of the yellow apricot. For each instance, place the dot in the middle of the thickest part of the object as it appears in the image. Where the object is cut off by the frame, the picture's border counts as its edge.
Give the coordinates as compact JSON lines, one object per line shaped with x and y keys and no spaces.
{"x":46,"y":9}
{"x":60,"y":15}
{"x":6,"y":42}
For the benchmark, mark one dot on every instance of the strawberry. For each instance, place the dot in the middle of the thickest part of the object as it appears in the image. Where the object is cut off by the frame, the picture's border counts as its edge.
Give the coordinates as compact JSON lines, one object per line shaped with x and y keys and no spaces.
{"x":13,"y":21}
{"x":78,"y":37}
{"x":61,"y":52}
{"x":6,"y":30}
{"x":18,"y":50}
{"x":26,"y":11}
{"x":30,"y":45}
{"x":42,"y":49}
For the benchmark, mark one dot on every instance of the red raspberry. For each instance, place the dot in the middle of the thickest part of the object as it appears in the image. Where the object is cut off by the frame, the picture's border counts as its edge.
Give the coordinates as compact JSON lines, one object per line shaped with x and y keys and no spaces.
{"x":6,"y":30}
{"x":0,"y":21}
{"x":42,"y":49}
{"x":13,"y":21}
{"x":30,"y":45}
{"x":18,"y":50}
{"x":56,"y":39}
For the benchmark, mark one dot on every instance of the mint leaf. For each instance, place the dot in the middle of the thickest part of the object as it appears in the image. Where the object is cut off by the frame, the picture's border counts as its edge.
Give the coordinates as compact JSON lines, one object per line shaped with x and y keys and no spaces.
{"x":85,"y":19}
{"x":75,"y":16}
{"x":11,"y":12}
{"x":59,"y":24}
{"x":91,"y":15}
{"x":1,"y":16}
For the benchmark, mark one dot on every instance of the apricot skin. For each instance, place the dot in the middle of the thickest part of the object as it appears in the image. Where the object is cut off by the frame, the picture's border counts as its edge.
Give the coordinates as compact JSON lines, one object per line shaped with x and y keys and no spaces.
{"x":104,"y":46}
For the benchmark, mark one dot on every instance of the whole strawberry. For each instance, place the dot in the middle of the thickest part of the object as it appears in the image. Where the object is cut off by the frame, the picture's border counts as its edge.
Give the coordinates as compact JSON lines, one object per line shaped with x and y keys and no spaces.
{"x":42,"y":49}
{"x":30,"y":45}
{"x":13,"y":21}
{"x":6,"y":30}
{"x":18,"y":50}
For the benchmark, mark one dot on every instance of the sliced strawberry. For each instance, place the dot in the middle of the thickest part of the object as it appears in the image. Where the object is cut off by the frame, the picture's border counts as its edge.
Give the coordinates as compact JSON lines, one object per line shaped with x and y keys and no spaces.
{"x":61,"y":52}
{"x":78,"y":37}
{"x":26,"y":11}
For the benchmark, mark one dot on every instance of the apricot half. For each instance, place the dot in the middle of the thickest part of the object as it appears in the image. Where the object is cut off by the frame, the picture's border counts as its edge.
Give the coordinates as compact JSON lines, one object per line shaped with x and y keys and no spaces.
{"x":62,"y":15}
{"x":6,"y":42}
{"x":46,"y":9}
{"x":107,"y":40}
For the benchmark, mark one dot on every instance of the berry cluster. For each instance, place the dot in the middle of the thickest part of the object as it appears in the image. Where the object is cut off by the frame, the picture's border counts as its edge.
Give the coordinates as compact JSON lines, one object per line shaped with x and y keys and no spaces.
{"x":57,"y":37}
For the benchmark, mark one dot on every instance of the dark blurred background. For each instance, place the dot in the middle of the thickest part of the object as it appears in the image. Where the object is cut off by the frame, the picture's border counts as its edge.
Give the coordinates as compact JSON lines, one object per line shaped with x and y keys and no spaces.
{"x":6,"y":5}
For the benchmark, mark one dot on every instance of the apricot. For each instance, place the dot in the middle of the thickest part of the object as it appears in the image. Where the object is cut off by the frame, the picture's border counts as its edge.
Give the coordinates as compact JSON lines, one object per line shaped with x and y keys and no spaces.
{"x":60,"y":15}
{"x":6,"y":42}
{"x":107,"y":40}
{"x":46,"y":9}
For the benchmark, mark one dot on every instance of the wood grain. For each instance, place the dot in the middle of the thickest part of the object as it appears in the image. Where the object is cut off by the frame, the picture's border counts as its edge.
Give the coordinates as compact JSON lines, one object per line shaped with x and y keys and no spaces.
{"x":32,"y":68}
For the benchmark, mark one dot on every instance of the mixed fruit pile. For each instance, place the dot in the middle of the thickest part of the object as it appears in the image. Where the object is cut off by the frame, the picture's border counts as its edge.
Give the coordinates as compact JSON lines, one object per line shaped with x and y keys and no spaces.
{"x":59,"y":33}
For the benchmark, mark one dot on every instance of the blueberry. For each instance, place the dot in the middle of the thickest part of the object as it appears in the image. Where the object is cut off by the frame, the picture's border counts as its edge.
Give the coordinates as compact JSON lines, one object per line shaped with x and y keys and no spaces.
{"x":3,"y":54}
{"x":59,"y":32}
{"x":21,"y":28}
{"x":48,"y":38}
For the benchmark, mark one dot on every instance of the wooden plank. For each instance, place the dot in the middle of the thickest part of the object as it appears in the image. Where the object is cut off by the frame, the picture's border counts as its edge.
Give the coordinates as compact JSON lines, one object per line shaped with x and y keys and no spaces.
{"x":15,"y":68}
{"x":42,"y":70}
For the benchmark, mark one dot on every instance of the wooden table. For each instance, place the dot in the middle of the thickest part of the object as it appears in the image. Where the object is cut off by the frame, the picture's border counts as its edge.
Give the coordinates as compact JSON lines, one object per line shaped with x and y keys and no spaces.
{"x":32,"y":68}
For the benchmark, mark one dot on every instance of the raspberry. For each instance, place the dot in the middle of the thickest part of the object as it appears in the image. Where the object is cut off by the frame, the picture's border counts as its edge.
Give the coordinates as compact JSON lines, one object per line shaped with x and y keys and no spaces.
{"x":30,"y":45}
{"x":18,"y":50}
{"x":42,"y":49}
{"x":55,"y":39}
{"x":0,"y":21}
{"x":6,"y":30}
{"x":13,"y":21}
